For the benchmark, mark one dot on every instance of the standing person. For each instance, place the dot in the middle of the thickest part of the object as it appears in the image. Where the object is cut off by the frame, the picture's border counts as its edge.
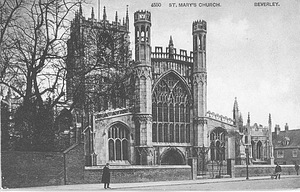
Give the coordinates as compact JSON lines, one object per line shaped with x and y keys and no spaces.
{"x":277,"y":171}
{"x":106,"y":176}
{"x":296,"y":167}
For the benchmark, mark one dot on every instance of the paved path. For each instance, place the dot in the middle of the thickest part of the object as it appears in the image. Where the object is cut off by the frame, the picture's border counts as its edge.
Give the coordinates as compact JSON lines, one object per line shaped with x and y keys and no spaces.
{"x":120,"y":186}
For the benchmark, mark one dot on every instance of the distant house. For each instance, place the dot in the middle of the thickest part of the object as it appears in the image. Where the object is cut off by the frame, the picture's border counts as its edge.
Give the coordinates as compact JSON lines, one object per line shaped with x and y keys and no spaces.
{"x":286,"y":145}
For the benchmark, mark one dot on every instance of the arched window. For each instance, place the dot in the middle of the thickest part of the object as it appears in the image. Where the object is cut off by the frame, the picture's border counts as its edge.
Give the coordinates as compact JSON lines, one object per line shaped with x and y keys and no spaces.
{"x":171,"y":110}
{"x":118,"y":136}
{"x":259,"y":150}
{"x":217,"y":146}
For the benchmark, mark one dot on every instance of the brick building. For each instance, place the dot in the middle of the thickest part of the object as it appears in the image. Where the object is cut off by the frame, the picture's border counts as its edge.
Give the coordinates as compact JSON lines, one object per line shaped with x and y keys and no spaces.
{"x":286,"y":145}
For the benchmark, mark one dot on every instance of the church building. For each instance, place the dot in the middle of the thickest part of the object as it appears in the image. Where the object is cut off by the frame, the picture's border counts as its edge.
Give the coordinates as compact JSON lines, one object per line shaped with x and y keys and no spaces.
{"x":164,"y":118}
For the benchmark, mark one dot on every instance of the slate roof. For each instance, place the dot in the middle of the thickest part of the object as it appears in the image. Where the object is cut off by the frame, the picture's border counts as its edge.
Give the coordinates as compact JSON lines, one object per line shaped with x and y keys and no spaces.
{"x":291,"y":136}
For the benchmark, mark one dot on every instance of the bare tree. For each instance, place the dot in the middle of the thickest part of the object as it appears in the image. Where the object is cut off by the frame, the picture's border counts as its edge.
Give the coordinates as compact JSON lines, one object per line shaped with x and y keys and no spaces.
{"x":9,"y":13}
{"x":34,"y":55}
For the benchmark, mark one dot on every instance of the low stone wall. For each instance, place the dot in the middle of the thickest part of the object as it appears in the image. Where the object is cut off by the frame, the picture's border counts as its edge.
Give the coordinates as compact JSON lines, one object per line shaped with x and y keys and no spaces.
{"x":262,"y":170}
{"x":138,"y":173}
{"x":27,"y":169}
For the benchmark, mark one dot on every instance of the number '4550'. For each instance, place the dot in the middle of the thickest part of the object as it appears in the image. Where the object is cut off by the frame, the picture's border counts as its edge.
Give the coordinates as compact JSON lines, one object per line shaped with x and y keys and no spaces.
{"x":155,"y":4}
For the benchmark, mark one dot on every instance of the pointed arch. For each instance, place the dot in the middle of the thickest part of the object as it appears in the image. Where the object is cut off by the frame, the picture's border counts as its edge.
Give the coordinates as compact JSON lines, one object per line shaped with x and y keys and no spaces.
{"x":172,"y":156}
{"x":171,"y":71}
{"x":171,"y":103}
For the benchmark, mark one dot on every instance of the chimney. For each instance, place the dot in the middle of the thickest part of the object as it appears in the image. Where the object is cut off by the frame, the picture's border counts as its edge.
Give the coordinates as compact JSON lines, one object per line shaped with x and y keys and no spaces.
{"x":277,"y":129}
{"x":286,"y":127}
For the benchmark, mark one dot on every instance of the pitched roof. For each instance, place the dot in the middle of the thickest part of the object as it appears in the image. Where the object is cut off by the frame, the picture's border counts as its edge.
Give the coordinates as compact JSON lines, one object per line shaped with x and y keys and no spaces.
{"x":286,"y":139}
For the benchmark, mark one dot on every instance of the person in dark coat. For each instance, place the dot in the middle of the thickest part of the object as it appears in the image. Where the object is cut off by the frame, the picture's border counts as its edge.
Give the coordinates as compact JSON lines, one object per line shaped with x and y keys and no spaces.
{"x":106,"y":176}
{"x":277,"y":171}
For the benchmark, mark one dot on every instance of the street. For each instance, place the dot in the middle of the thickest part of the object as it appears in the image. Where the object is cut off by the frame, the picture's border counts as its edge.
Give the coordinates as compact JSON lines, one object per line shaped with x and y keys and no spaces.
{"x":290,"y":182}
{"x":282,"y":184}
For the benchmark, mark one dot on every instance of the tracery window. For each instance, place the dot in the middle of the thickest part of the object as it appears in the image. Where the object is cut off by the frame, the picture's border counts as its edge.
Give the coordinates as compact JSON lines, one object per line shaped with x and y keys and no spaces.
{"x":217,"y":144}
{"x":118,"y":138}
{"x":171,"y":111}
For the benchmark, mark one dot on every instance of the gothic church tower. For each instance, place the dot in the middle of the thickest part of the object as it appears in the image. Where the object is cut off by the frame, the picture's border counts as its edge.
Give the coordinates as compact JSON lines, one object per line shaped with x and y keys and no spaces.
{"x":199,"y":82}
{"x":143,"y":86}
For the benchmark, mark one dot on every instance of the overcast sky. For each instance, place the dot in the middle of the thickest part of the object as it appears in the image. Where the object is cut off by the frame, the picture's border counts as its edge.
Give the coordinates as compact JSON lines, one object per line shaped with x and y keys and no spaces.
{"x":252,"y":52}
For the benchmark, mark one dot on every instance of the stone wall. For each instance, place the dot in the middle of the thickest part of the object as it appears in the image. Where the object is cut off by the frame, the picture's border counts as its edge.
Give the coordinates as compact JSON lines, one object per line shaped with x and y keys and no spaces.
{"x":24,"y":169}
{"x":74,"y":164}
{"x":262,"y":170}
{"x":29,"y":169}
{"x":129,"y":174}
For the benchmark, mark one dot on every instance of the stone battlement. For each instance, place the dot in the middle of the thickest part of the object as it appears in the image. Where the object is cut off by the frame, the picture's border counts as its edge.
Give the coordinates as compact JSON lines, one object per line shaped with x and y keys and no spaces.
{"x":142,"y":15}
{"x":182,"y":56}
{"x":219,"y":117}
{"x":199,"y":25}
{"x":112,"y":112}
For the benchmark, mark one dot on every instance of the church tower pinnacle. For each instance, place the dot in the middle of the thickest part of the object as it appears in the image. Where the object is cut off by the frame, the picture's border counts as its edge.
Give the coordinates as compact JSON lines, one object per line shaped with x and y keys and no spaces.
{"x":143,"y":86}
{"x":235,"y":110}
{"x":199,"y":82}
{"x":171,"y":47}
{"x":104,"y":14}
{"x":127,"y":18}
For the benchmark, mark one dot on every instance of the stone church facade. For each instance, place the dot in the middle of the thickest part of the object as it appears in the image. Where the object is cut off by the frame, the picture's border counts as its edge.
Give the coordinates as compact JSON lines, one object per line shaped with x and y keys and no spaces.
{"x":166,"y":121}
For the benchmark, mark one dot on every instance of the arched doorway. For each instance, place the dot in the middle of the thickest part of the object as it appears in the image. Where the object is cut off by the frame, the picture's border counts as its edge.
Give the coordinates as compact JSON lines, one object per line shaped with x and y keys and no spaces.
{"x":172,"y":157}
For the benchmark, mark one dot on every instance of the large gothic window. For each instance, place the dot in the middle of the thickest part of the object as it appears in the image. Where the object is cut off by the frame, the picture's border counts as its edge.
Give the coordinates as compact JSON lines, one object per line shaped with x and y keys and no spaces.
{"x":217,"y":144}
{"x":171,"y":111}
{"x":118,"y":138}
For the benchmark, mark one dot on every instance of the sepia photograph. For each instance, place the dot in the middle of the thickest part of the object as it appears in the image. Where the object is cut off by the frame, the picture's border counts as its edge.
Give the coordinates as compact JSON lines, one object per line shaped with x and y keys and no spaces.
{"x":161,"y":95}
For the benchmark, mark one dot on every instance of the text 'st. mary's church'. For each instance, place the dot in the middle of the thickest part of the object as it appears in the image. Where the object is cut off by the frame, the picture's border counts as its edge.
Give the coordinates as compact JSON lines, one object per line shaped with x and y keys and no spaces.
{"x":163,"y":119}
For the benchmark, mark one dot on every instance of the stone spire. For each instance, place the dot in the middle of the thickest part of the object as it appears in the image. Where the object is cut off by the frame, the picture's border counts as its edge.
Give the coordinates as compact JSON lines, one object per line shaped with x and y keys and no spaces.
{"x":127,"y":18}
{"x":104,"y":14}
{"x":116,"y":17}
{"x":171,"y":41}
{"x":80,"y":9}
{"x":171,"y":47}
{"x":235,"y":110}
{"x":93,"y":14}
{"x":248,"y":120}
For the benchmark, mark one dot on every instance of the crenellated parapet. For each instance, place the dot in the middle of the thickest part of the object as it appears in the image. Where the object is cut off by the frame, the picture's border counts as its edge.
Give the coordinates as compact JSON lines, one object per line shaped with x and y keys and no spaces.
{"x":113,"y":112}
{"x":219,"y":117}
{"x":199,"y":26}
{"x":142,"y":16}
{"x":183,"y":55}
